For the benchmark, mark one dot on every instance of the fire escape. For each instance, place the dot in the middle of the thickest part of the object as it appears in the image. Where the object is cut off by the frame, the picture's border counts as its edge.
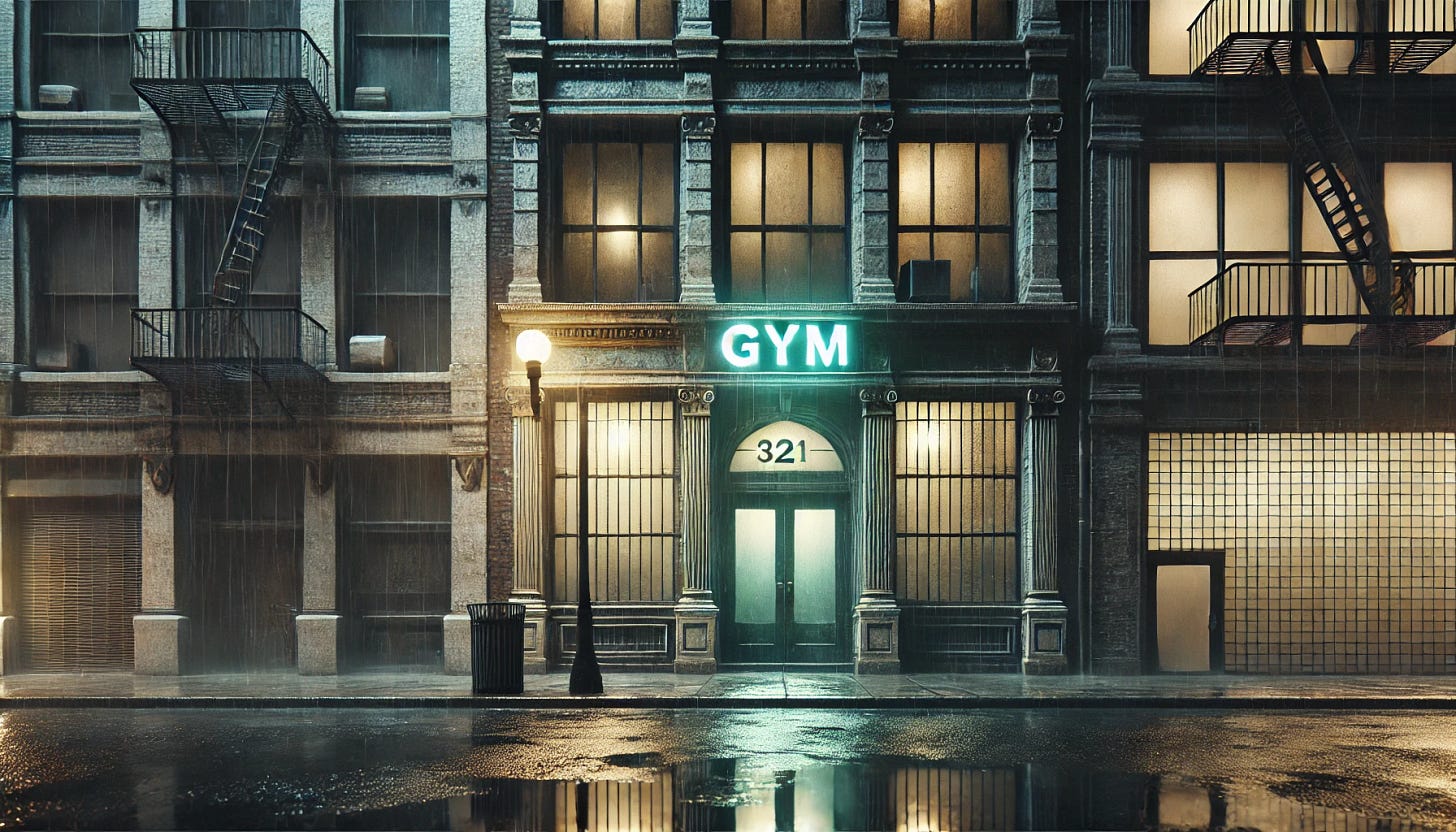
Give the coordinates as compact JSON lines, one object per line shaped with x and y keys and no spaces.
{"x":252,"y":102}
{"x":1392,"y":302}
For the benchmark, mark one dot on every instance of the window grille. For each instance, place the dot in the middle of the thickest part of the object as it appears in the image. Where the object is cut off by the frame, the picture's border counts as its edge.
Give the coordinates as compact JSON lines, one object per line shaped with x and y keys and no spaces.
{"x":787,"y":222}
{"x":619,"y":222}
{"x":955,"y":502}
{"x":632,"y":503}
{"x":954,"y":204}
{"x":1339,"y":548}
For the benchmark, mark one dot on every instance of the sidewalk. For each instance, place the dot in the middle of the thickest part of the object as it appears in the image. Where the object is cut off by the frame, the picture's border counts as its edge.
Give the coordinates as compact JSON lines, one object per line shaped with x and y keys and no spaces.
{"x":284,"y":689}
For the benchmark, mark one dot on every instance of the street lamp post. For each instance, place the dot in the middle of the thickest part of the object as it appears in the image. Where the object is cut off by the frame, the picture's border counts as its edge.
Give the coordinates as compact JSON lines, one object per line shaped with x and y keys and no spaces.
{"x":534,"y":348}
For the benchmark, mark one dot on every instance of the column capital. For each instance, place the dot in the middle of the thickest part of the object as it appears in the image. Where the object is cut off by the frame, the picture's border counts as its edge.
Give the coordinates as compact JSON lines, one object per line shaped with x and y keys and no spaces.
{"x":159,"y":472}
{"x":1044,"y":401}
{"x":520,"y":401}
{"x":524,"y":125}
{"x":469,"y":468}
{"x":878,"y":401}
{"x":699,"y":125}
{"x":874,"y":126}
{"x":696,"y":401}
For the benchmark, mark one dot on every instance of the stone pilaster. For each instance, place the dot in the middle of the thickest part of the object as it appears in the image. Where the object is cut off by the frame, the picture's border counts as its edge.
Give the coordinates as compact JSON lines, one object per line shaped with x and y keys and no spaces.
{"x":317,"y":295}
{"x":529,"y":531}
{"x":876,"y":615}
{"x":9,"y":624}
{"x":696,"y":612}
{"x":154,"y":217}
{"x":317,"y":626}
{"x":695,"y":212}
{"x":468,"y":581}
{"x":10,"y":14}
{"x":526,"y":161}
{"x":870,"y":208}
{"x":318,"y":17}
{"x":1116,"y":509}
{"x":159,"y":630}
{"x":1113,"y":180}
{"x":1044,"y":615}
{"x":1036,"y":211}
{"x":1120,"y":34}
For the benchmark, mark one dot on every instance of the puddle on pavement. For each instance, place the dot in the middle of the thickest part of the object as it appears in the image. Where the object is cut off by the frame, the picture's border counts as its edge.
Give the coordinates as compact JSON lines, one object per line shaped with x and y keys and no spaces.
{"x":735,"y":795}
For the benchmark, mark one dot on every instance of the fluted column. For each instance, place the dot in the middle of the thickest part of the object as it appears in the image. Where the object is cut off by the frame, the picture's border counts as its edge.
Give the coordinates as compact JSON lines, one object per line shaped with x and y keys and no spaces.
{"x":528,"y":532}
{"x":696,"y":613}
{"x":1044,"y":615}
{"x":1115,"y":143}
{"x":876,"y":616}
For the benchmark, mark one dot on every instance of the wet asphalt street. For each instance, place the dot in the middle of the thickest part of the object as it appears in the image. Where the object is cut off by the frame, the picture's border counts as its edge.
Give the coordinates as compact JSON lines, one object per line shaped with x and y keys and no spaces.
{"x":762,"y":769}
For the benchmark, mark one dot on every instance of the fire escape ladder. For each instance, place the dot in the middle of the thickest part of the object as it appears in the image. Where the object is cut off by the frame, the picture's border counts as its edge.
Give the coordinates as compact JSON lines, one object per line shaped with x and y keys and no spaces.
{"x":1332,"y":174}
{"x":264,"y":175}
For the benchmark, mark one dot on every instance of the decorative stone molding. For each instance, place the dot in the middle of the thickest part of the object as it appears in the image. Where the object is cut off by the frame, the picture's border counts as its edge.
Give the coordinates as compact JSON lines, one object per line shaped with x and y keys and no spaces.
{"x":159,"y":473}
{"x":1045,"y":401}
{"x":469,"y":469}
{"x":699,"y":126}
{"x":525,"y":125}
{"x":520,"y":401}
{"x":876,"y":125}
{"x":1044,"y":125}
{"x":1044,"y":359}
{"x":695,"y":401}
{"x":878,"y":401}
{"x":320,"y":474}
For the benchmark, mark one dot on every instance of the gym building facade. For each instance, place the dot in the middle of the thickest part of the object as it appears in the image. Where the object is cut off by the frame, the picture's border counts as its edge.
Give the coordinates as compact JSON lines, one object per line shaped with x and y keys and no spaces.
{"x":1024,"y":336}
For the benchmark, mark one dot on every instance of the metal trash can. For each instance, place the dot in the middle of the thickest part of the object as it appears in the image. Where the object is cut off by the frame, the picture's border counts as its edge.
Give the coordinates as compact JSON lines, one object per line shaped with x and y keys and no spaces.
{"x":497,"y":647}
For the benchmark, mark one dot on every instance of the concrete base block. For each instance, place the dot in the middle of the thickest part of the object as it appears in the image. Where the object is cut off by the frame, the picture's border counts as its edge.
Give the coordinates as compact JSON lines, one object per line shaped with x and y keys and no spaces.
{"x":537,"y":636}
{"x":457,"y":644}
{"x":697,"y":637}
{"x":9,"y":644}
{"x":318,"y":644}
{"x":160,"y":643}
{"x":876,"y":637}
{"x":1044,"y":638}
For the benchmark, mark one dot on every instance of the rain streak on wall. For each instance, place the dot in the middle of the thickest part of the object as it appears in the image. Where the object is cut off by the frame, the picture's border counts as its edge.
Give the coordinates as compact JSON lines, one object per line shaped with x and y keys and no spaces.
{"x":1340,"y":548}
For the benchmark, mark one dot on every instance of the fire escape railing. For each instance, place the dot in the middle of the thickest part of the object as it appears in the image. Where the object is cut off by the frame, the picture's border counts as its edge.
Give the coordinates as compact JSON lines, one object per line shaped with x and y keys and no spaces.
{"x":230,"y":54}
{"x":253,"y":335}
{"x":1214,"y":36}
{"x":1262,"y":303}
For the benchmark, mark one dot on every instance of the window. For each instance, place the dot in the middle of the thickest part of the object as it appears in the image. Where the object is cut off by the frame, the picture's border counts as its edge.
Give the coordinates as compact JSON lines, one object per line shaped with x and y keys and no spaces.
{"x":1190,"y":240}
{"x":787,"y":20}
{"x":618,"y":19}
{"x":787,"y":222}
{"x":205,"y":223}
{"x":85,"y":44}
{"x":954,"y":204}
{"x":402,"y":47}
{"x":397,"y":256}
{"x":248,"y":14}
{"x":394,"y":556}
{"x":618,"y":221}
{"x":955,"y":19}
{"x":955,"y":502}
{"x":84,"y":269}
{"x":631,"y":493}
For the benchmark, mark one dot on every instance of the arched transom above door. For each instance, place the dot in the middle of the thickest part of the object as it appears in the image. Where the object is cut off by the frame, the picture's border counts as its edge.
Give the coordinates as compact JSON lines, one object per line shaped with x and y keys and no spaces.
{"x":783,"y":448}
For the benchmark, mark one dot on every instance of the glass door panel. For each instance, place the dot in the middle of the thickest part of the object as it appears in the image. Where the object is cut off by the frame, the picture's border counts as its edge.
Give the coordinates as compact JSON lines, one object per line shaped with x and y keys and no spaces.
{"x":1183,"y":609}
{"x":756,"y":533}
{"x":814,"y":585}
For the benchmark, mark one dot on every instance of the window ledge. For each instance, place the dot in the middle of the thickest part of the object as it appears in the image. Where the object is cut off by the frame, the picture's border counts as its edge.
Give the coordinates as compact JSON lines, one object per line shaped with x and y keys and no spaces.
{"x":129,"y":116}
{"x":347,"y":377}
{"x":84,"y":377}
{"x":393,"y":115}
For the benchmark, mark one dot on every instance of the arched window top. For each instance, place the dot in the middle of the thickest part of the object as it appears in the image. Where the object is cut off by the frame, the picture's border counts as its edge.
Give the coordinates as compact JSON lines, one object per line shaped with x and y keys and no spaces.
{"x":783,"y":448}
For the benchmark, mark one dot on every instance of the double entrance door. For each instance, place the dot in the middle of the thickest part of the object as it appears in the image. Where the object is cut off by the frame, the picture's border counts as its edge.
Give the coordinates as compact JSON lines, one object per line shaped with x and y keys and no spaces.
{"x":788,"y":587}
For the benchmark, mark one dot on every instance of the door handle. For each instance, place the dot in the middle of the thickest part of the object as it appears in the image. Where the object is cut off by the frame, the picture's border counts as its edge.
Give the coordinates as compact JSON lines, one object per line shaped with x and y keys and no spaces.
{"x":791,"y":588}
{"x":1212,"y":622}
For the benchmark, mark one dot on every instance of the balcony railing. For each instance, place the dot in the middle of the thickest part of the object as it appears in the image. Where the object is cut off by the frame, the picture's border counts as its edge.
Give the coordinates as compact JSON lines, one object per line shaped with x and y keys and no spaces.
{"x":227,"y":336}
{"x":1228,"y":34}
{"x":229,"y":54}
{"x":1263,"y":303}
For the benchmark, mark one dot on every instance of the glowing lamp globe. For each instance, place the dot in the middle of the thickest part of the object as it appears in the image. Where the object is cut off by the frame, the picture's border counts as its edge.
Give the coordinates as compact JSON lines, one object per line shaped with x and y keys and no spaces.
{"x":533,"y":345}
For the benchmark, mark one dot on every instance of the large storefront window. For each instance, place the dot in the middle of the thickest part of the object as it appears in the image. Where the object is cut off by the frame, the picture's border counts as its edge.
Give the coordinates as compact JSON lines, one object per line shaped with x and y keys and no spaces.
{"x":1338,"y":550}
{"x":617,"y":19}
{"x":955,"y":19}
{"x":787,"y":19}
{"x":787,"y":222}
{"x":618,"y":222}
{"x":955,"y":502}
{"x":954,"y":206}
{"x":631,"y":500}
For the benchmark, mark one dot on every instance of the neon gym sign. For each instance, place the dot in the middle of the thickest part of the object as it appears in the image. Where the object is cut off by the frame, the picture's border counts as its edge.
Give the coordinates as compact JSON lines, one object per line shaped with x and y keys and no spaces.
{"x":785,"y":346}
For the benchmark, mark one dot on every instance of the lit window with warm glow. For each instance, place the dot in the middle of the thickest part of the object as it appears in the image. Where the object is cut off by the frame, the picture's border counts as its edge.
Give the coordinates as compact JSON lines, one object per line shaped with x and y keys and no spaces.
{"x":631,"y":507}
{"x":954,"y":205}
{"x":617,"y":19}
{"x":1190,"y":240}
{"x":955,"y":501}
{"x":955,"y":19}
{"x":787,"y":20}
{"x":787,"y":222}
{"x":618,"y":223}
